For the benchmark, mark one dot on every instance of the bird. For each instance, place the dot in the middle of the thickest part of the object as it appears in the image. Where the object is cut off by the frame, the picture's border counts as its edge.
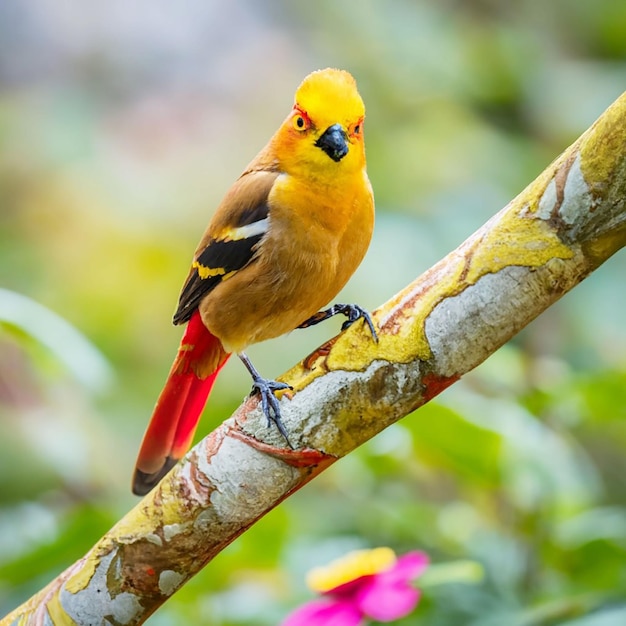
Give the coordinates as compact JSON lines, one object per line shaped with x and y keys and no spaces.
{"x":280,"y":246}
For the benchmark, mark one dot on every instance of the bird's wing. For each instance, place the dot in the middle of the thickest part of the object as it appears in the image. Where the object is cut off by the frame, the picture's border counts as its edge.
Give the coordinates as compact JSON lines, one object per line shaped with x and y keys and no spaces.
{"x":230,"y":242}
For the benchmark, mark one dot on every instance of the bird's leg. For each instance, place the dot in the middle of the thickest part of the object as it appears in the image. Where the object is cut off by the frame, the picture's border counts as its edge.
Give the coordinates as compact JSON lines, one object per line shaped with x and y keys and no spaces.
{"x":269,"y":402}
{"x":352,"y":311}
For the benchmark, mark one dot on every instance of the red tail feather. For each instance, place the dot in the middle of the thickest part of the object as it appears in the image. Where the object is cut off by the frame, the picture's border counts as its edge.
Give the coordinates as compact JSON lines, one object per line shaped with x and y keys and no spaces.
{"x":177,"y":412}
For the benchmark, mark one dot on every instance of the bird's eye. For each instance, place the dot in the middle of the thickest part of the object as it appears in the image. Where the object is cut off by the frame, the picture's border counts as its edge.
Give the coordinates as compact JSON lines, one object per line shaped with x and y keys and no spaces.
{"x":299,"y":123}
{"x":356,"y":129}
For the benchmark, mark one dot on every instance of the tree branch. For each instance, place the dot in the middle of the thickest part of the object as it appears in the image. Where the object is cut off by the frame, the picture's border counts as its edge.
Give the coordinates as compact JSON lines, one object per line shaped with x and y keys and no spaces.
{"x":548,"y":239}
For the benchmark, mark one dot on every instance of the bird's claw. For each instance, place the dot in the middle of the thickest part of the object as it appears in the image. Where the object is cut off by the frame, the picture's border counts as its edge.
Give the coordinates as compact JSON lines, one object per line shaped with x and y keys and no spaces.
{"x":354,"y":312}
{"x":269,"y":402}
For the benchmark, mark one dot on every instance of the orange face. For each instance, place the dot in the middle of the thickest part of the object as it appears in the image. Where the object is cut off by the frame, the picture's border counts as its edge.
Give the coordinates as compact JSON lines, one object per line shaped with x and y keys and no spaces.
{"x":324,"y":131}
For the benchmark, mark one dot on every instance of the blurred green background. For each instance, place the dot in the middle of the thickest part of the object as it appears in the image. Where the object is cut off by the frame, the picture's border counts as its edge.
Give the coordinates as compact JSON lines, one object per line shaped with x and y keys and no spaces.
{"x":121,"y":127}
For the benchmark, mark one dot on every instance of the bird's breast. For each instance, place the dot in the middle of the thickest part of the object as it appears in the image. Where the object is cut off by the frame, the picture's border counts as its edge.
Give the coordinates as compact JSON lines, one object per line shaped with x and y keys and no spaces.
{"x":316,"y":239}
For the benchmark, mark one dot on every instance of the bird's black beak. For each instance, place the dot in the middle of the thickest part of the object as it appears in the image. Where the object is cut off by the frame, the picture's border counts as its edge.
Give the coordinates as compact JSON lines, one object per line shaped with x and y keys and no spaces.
{"x":334,"y":142}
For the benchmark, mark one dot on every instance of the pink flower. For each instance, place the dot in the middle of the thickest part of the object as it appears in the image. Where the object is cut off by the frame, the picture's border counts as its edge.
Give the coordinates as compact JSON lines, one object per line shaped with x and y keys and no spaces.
{"x":364,"y":584}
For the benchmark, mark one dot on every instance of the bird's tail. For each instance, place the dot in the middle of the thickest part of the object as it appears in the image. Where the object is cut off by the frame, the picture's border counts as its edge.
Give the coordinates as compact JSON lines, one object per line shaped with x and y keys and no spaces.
{"x":177,"y":412}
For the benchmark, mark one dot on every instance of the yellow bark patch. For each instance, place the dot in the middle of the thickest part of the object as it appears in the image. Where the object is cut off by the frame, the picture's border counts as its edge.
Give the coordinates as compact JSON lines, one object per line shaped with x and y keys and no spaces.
{"x":57,"y":613}
{"x":600,"y":249}
{"x":602,"y":146}
{"x":80,"y":580}
{"x":516,"y":240}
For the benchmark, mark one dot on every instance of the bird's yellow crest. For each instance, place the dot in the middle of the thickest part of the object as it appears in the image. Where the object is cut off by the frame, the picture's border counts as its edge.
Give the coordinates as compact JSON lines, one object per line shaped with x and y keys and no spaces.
{"x":330,"y":96}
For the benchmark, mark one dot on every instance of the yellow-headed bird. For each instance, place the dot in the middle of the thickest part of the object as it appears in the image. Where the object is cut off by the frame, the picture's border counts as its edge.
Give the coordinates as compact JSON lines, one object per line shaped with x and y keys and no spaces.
{"x":285,"y":239}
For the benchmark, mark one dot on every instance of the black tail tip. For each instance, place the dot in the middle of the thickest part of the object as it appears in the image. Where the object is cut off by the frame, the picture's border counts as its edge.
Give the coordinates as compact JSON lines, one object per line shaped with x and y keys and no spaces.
{"x":144,"y":483}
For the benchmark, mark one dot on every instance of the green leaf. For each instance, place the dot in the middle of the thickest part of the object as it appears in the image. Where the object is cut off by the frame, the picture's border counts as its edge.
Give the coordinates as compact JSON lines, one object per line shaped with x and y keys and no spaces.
{"x":68,"y":345}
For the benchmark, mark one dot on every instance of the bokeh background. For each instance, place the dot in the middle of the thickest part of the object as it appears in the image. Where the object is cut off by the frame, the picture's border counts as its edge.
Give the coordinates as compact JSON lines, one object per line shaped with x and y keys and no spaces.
{"x":121,"y":126}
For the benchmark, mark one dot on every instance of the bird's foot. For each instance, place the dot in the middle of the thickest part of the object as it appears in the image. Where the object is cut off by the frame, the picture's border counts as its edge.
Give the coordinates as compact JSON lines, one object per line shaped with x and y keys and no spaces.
{"x":269,"y":402}
{"x":352,"y":311}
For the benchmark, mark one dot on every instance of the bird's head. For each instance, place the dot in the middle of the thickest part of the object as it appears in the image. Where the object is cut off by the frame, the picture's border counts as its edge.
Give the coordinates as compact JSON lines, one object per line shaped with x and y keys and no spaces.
{"x":323,"y":134}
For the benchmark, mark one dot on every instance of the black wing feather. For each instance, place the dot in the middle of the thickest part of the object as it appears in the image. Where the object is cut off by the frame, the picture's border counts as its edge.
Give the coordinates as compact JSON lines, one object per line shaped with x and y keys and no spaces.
{"x":228,"y":255}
